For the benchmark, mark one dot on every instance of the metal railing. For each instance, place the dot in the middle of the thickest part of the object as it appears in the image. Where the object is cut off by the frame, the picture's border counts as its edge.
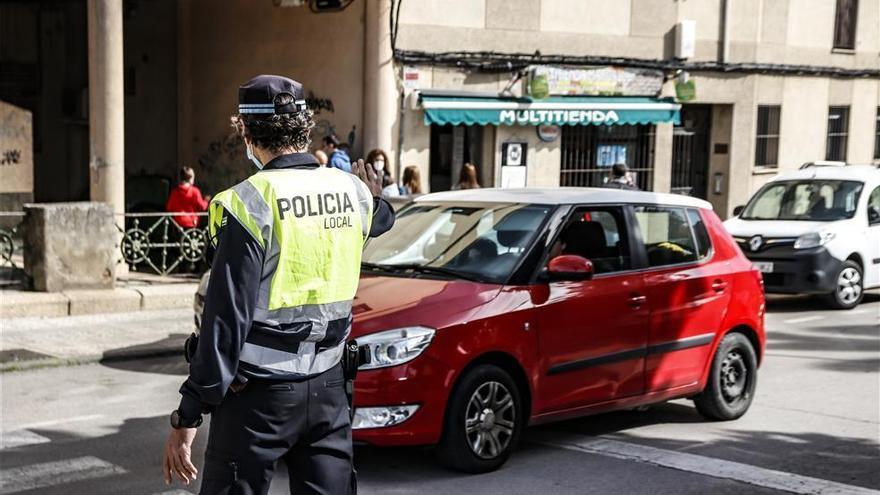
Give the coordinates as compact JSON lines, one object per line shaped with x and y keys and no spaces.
{"x":155,"y":241}
{"x":11,"y":272}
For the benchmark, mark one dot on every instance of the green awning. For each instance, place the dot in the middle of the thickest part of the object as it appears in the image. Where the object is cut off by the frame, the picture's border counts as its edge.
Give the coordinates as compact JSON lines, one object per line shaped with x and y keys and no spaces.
{"x":559,"y":110}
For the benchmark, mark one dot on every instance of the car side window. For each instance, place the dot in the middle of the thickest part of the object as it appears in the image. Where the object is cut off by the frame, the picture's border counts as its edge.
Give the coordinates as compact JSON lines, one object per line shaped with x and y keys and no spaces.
{"x":667,"y":235}
{"x":874,"y":207}
{"x":599,"y":235}
{"x":704,"y":242}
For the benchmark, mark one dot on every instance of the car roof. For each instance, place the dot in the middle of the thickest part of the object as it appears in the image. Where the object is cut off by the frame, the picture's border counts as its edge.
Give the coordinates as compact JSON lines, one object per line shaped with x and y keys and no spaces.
{"x":866,"y":173}
{"x":564,"y":196}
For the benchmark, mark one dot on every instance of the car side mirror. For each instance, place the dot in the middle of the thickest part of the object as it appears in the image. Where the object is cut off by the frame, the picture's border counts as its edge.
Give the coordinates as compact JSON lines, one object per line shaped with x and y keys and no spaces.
{"x":873,"y":215}
{"x":738,"y":209}
{"x":570,"y":267}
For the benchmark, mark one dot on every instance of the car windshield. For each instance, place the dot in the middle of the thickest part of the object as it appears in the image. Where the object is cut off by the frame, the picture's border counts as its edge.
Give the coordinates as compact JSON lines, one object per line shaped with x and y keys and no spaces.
{"x":473,"y":241}
{"x":812,"y":199}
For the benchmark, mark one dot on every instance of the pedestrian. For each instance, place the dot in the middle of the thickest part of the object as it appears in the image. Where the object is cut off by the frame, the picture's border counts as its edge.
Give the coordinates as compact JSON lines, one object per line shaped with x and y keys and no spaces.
{"x":321,"y":157}
{"x":337,"y":153}
{"x":412,"y":182}
{"x":467,"y":178}
{"x":277,"y":312}
{"x":379,"y":160}
{"x":619,"y":178}
{"x":186,"y":197}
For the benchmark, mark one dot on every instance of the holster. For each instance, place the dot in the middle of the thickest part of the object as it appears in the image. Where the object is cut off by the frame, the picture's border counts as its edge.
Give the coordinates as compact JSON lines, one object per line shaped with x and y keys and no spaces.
{"x":352,"y":358}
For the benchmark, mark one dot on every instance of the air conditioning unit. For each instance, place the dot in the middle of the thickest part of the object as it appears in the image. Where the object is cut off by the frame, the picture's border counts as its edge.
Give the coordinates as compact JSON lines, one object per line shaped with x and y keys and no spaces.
{"x":685,"y":39}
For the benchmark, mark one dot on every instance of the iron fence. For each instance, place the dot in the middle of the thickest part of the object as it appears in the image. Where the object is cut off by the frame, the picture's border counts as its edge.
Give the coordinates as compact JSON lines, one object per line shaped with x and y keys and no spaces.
{"x":11,"y":269}
{"x":157,"y":242}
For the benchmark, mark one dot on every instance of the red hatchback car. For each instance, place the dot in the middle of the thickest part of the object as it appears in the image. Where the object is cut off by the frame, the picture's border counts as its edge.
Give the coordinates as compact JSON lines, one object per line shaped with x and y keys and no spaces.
{"x":488,"y":310}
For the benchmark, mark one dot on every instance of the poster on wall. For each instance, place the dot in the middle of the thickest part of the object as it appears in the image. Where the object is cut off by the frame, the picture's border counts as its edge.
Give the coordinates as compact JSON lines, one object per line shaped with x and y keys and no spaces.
{"x":609,"y":154}
{"x":513,"y":154}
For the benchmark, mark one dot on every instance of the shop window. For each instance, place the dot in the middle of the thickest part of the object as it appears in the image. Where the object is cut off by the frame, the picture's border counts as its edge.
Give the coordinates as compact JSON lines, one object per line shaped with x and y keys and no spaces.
{"x":767,"y":141}
{"x":589,"y":151}
{"x":838,"y":130}
{"x":845,"y":24}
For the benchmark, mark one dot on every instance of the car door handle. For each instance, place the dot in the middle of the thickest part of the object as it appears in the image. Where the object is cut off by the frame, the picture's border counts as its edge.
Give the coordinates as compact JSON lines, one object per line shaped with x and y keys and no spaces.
{"x":636,"y":300}
{"x":719,"y":286}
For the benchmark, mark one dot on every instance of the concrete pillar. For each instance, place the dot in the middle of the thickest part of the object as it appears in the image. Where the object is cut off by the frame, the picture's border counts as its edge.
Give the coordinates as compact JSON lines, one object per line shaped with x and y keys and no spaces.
{"x":106,"y":100}
{"x":662,"y":157}
{"x":380,"y":91}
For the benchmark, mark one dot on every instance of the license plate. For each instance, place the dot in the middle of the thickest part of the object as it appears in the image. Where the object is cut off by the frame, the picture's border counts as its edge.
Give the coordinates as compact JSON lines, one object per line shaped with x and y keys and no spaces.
{"x":763,"y":266}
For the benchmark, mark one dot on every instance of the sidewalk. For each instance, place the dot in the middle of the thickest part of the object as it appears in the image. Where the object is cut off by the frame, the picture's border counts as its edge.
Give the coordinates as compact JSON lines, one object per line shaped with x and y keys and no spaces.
{"x":136,"y":292}
{"x":27,"y":343}
{"x":145,"y":315}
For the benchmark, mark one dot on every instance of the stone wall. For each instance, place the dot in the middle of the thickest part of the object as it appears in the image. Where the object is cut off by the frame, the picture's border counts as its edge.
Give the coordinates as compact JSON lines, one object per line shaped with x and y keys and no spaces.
{"x":69,"y":246}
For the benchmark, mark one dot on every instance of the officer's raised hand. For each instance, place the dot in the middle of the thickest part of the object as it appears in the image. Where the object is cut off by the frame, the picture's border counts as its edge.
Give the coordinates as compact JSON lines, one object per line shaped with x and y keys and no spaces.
{"x":368,"y":174}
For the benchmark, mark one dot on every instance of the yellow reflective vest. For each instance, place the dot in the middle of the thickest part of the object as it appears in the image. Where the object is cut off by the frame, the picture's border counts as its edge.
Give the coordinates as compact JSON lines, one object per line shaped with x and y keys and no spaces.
{"x":311,"y":224}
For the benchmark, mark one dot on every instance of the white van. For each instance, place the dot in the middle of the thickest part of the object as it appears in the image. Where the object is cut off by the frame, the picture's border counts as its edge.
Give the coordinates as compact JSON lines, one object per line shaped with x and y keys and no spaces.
{"x":815,"y":231}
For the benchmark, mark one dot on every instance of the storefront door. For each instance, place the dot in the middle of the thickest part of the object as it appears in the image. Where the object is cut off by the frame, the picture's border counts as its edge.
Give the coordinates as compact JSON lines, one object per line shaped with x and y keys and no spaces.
{"x":451,"y":147}
{"x":690,"y":151}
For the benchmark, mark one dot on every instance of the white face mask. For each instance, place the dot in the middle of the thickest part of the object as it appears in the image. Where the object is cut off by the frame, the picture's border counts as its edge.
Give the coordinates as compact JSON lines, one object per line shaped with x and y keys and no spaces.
{"x":251,"y":157}
{"x":379,"y":165}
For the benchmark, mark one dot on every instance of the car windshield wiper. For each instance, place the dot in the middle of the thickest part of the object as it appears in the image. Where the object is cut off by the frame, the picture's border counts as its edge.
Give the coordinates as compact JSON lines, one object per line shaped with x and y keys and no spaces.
{"x":422,"y":269}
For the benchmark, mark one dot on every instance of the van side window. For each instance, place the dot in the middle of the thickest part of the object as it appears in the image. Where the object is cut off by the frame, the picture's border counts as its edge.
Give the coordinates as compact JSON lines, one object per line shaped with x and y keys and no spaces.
{"x":667,"y":235}
{"x":599,"y":235}
{"x":704,"y":242}
{"x":874,"y":207}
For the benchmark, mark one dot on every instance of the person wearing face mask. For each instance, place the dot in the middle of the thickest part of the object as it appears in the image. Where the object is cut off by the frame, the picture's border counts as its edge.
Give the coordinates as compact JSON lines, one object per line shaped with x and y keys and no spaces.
{"x":379,"y":160}
{"x":267,"y":364}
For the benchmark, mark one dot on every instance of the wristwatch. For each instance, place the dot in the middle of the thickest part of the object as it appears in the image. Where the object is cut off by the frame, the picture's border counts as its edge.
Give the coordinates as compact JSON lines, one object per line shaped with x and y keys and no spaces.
{"x":178,"y":422}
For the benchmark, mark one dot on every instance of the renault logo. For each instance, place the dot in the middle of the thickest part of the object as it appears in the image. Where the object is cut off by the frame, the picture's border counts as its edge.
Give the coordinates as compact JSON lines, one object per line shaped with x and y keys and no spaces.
{"x":756,"y":242}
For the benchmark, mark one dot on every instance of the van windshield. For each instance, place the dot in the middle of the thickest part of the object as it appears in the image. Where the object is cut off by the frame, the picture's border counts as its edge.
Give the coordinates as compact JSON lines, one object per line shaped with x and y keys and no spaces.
{"x":473,"y":241}
{"x":810,"y":199}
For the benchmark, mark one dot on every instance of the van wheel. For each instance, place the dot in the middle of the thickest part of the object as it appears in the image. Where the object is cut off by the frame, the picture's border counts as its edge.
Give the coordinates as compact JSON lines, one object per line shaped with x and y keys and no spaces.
{"x":732,"y":379}
{"x":849,"y":290}
{"x":483,"y":421}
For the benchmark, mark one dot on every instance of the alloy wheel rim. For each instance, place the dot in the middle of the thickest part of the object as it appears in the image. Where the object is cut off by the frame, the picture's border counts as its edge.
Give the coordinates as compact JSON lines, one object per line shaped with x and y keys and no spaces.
{"x":490,"y":420}
{"x":734,"y":377}
{"x":849,"y":285}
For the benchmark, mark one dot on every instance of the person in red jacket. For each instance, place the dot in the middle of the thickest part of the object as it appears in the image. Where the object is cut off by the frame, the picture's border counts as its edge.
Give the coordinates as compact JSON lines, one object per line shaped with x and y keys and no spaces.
{"x":185,"y":197}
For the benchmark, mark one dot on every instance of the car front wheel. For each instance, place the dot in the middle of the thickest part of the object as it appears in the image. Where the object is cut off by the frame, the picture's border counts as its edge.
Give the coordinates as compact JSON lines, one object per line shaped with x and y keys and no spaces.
{"x":849,"y":289}
{"x":732,"y":380}
{"x":483,"y":421}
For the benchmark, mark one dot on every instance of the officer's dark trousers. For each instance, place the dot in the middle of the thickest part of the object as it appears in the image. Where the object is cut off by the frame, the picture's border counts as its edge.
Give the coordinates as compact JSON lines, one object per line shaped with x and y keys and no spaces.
{"x":305,"y":424}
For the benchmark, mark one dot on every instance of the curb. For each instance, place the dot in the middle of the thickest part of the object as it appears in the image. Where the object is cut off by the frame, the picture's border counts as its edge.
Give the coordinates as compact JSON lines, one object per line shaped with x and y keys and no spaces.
{"x":23,"y":304}
{"x":55,"y":362}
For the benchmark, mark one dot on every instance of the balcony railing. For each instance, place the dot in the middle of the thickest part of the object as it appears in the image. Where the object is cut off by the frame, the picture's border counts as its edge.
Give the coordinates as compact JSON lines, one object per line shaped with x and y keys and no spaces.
{"x":156,"y":242}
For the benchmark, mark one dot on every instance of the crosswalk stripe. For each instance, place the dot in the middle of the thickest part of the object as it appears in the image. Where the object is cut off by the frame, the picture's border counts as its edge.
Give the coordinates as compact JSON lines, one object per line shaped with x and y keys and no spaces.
{"x":46,"y":474}
{"x":708,"y":466}
{"x":20,"y":438}
{"x":174,"y":492}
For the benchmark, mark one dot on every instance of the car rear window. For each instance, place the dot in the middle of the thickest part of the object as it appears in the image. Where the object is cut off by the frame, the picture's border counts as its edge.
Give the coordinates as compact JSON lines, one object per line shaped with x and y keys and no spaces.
{"x":667,"y":235}
{"x":704,"y":242}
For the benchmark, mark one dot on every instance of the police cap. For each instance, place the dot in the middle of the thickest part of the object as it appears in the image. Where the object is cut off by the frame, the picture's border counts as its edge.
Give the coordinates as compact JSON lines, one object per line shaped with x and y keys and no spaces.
{"x":257,"y":96}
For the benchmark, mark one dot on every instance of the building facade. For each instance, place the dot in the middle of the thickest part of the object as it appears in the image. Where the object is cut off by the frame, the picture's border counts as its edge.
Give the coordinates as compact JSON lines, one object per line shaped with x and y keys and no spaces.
{"x":761,"y":103}
{"x":701,"y":97}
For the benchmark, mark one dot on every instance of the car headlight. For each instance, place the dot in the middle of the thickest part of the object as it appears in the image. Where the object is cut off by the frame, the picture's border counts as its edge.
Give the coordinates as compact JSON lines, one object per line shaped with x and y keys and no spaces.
{"x":813,"y":239}
{"x":380,"y":417}
{"x":393,"y":347}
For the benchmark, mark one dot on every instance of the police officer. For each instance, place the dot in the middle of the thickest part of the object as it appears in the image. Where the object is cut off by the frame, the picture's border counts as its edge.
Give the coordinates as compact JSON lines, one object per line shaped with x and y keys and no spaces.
{"x":278,"y":310}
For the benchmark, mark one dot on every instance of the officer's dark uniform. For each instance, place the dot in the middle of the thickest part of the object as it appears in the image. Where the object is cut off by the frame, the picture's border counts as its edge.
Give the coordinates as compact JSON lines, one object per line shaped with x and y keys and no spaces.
{"x":292,"y":406}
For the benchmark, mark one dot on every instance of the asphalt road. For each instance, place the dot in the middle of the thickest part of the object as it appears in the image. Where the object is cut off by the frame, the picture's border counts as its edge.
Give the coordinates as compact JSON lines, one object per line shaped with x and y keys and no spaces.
{"x":814,"y":428}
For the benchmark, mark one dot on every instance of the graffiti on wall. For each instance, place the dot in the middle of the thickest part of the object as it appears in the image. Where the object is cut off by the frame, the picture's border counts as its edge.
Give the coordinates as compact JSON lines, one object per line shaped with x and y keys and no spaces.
{"x":10,"y":157}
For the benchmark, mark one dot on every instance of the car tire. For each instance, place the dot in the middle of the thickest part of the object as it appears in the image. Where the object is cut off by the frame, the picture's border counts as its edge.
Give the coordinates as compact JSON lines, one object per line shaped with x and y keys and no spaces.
{"x":483,"y":421}
{"x":732,"y":380}
{"x":849,"y":286}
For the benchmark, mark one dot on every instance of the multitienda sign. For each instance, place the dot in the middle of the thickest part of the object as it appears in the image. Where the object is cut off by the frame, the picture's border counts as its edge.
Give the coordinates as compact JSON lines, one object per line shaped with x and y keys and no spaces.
{"x":537,"y":117}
